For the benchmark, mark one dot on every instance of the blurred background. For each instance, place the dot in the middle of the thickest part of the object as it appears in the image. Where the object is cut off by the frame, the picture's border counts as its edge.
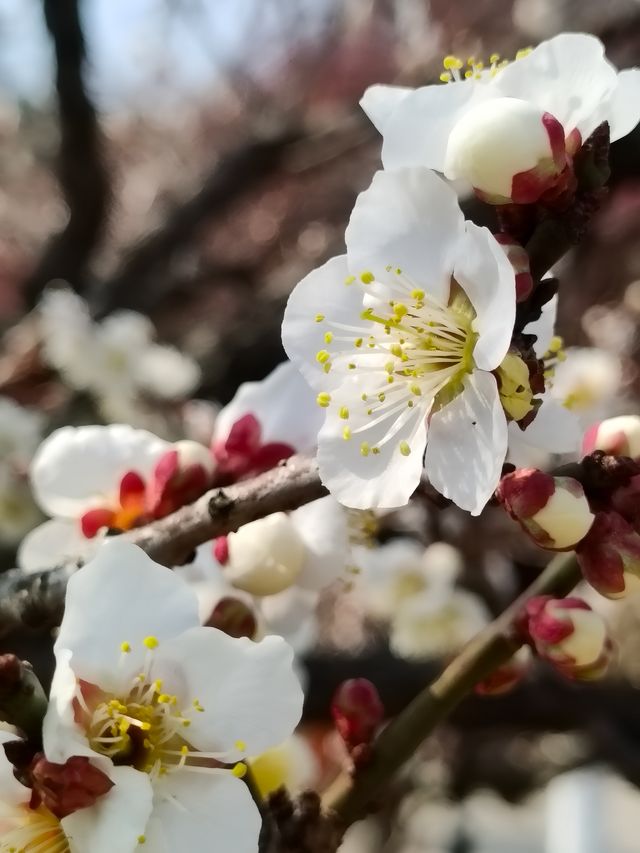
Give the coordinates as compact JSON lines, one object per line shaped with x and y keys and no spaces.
{"x":191,"y":160}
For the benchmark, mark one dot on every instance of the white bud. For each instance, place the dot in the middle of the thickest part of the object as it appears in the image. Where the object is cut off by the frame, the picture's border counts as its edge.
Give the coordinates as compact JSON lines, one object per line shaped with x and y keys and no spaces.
{"x":265,"y":556}
{"x":193,"y":453}
{"x":566,"y":517}
{"x":619,"y":436}
{"x":586,"y":643}
{"x":501,"y":138}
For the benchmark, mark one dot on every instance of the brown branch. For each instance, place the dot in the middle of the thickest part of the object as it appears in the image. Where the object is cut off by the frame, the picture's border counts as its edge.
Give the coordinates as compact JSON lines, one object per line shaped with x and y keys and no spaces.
{"x":37,"y":600}
{"x":349,"y":797}
{"x":82,"y":173}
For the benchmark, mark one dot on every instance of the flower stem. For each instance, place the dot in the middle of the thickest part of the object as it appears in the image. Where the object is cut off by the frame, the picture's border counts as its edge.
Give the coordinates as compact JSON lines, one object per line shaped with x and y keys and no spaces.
{"x":349,"y":797}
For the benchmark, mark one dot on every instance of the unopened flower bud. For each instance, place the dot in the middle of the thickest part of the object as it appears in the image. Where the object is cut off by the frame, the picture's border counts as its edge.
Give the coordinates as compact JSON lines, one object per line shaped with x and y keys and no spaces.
{"x":554,"y":511}
{"x":66,"y":788}
{"x":234,"y":618}
{"x":357,"y":712}
{"x":508,"y":149}
{"x":265,"y":556}
{"x":180,"y":476}
{"x":568,"y":634}
{"x":618,"y":436}
{"x":609,"y":556}
{"x":519,"y":259}
{"x":505,"y":677}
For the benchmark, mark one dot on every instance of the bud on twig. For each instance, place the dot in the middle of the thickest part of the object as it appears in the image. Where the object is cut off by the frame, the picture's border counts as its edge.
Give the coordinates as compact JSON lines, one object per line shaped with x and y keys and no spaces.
{"x":234,"y":618}
{"x":506,"y":677}
{"x":357,"y":712}
{"x":609,"y":556}
{"x":619,"y":436}
{"x":568,"y":634}
{"x":554,"y":511}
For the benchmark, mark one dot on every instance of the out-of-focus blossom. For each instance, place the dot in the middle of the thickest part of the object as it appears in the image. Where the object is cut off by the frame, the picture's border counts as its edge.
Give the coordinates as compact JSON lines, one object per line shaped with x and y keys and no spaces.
{"x":399,"y":357}
{"x":20,"y":434}
{"x":292,"y":764}
{"x":166,"y":708}
{"x":619,"y":436}
{"x":97,"y":478}
{"x":510,"y":129}
{"x":116,"y":360}
{"x":554,"y":511}
{"x":265,"y":422}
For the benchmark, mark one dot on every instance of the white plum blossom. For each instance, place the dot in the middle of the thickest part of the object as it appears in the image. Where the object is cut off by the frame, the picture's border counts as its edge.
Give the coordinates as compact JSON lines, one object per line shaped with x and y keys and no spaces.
{"x":87,"y":479}
{"x":265,"y":422}
{"x":117,"y":360}
{"x":166,"y":708}
{"x":510,"y":128}
{"x":413,"y":590}
{"x":399,"y":338}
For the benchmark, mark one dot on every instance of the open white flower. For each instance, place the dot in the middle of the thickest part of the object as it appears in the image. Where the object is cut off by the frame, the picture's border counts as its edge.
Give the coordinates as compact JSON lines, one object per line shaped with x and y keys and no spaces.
{"x":265,"y":422}
{"x":87,"y":478}
{"x":117,"y":359}
{"x":509,"y":129}
{"x":399,"y":338}
{"x":166,"y":708}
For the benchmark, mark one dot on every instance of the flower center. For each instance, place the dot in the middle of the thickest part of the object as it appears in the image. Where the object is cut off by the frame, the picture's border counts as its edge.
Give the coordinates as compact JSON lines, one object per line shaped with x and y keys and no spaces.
{"x":419,"y":348}
{"x":38,"y":831}
{"x":456,"y":69}
{"x":145,"y":727}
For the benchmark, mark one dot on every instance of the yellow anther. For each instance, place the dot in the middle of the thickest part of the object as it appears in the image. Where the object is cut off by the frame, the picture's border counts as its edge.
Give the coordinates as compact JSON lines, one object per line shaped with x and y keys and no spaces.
{"x":415,"y":389}
{"x":326,"y":367}
{"x":351,"y":365}
{"x":396,"y":350}
{"x":450,"y":62}
{"x":323,"y":399}
{"x":382,"y":396}
{"x":389,"y":367}
{"x":343,"y":412}
{"x":364,"y":448}
{"x":363,"y":397}
{"x":346,"y":433}
{"x":400,"y":309}
{"x":358,"y":342}
{"x":524,"y":52}
{"x":197,"y":705}
{"x":142,"y":839}
{"x":319,"y":318}
{"x":328,"y":337}
{"x":417,"y":294}
{"x":166,"y":699}
{"x":445,"y":77}
{"x":410,"y":404}
{"x":322,"y":356}
{"x":404,"y":448}
{"x":494,"y":58}
{"x":240,"y":770}
{"x":186,"y":723}
{"x":184,"y":749}
{"x":241,"y":746}
{"x":556,"y":343}
{"x":375,"y":450}
{"x":151,"y":642}
{"x":367,"y":277}
{"x":350,"y":279}
{"x":125,"y":648}
{"x":468,"y":73}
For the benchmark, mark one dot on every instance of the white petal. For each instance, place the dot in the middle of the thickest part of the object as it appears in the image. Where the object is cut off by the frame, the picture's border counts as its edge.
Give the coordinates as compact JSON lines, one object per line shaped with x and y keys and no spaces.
{"x":409,"y":218}
{"x":554,"y":428}
{"x":568,"y":76}
{"x":166,"y":373}
{"x":121,"y":596}
{"x":487,"y":277}
{"x":379,"y":102}
{"x":248,"y":690}
{"x":116,"y":820}
{"x":197,"y":812}
{"x":385,"y":479}
{"x":53,"y":543}
{"x":624,"y":109}
{"x":544,"y":327}
{"x":417,"y":131}
{"x":78,"y":467}
{"x":291,"y":614}
{"x":322,"y":293}
{"x":468,"y":443}
{"x":12,"y":792}
{"x":323,"y":527}
{"x":282,"y":402}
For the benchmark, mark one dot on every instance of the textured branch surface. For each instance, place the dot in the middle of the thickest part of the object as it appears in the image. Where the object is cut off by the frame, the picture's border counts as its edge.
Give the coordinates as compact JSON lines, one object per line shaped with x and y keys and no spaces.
{"x":349,"y":798}
{"x":37,"y":600}
{"x":81,"y":169}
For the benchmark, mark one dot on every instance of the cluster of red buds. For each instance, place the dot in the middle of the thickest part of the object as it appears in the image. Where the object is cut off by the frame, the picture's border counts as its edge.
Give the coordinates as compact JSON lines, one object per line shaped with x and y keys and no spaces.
{"x":595,"y":511}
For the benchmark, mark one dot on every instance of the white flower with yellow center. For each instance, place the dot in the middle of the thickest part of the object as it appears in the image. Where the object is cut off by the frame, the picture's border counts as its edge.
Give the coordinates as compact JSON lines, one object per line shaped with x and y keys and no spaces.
{"x":164,"y":707}
{"x":399,"y":338}
{"x":508,"y":129}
